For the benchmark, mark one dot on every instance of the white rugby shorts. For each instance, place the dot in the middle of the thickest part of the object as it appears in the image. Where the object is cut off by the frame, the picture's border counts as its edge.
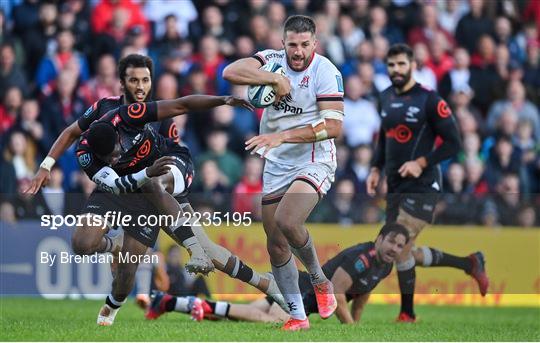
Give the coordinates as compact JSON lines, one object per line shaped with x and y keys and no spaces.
{"x":278,"y":177}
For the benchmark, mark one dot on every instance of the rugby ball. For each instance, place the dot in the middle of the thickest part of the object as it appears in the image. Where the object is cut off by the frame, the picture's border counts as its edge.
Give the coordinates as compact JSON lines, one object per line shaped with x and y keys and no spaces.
{"x":262,"y":96}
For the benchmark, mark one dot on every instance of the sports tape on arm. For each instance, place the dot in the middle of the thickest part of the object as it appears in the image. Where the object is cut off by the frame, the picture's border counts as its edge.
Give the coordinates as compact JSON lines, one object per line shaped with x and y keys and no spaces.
{"x":108,"y":181}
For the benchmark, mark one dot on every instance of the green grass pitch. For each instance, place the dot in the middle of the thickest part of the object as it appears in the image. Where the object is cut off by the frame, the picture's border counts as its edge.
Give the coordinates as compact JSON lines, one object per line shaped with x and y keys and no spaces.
{"x":31,"y":319}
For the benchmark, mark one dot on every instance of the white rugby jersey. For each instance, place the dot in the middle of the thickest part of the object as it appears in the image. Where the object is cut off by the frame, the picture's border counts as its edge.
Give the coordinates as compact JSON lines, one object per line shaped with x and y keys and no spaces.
{"x":320,"y":81}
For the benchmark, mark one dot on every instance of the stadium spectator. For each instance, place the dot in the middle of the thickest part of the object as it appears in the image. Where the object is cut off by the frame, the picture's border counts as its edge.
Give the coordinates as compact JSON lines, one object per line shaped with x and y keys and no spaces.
{"x":116,"y":17}
{"x":527,"y":217}
{"x":361,"y":122}
{"x":504,"y":36}
{"x":53,"y":194}
{"x":212,"y":24}
{"x":459,"y":76}
{"x":450,"y":12}
{"x":440,"y":62}
{"x":456,"y":206}
{"x":515,"y":99}
{"x":246,"y":195}
{"x":25,"y":16}
{"x":505,"y":202}
{"x":423,"y":74}
{"x":340,"y":206}
{"x":476,"y":183}
{"x":210,"y":61}
{"x":473,"y":25}
{"x":350,"y":35}
{"x":223,"y":118}
{"x":166,"y":43}
{"x":19,"y":163}
{"x":228,"y":162}
{"x":63,"y":106}
{"x":366,"y":72}
{"x":244,"y":120}
{"x":104,"y":84}
{"x":39,"y":38}
{"x":10,"y":108}
{"x":160,"y":11}
{"x":358,"y":168}
{"x":136,"y":41}
{"x":7,"y":214}
{"x":28,"y":123}
{"x":259,"y":29}
{"x":503,"y":159}
{"x":211,"y":187}
{"x":51,"y":66}
{"x":333,"y":47}
{"x":11,"y":73}
{"x":485,"y":80}
{"x":427,"y":32}
{"x":531,"y":71}
{"x":378,"y":26}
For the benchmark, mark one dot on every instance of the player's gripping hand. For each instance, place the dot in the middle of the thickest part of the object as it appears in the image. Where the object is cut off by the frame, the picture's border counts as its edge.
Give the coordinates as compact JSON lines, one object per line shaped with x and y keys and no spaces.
{"x":282,"y":87}
{"x":372,"y":181}
{"x":160,"y":166}
{"x":39,"y":180}
{"x":410,"y":169}
{"x":266,"y":142}
{"x":238,"y":102}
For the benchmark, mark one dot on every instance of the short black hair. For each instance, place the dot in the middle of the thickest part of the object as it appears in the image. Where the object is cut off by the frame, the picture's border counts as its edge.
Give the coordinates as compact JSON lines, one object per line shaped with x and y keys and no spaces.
{"x":102,"y":138}
{"x":398,"y":49}
{"x":299,"y":24}
{"x":396,"y":229}
{"x":134,"y":61}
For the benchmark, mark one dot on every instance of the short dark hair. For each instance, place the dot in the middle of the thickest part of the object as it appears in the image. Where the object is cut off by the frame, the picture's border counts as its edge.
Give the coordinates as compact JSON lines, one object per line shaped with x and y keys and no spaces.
{"x":102,"y":138}
{"x":396,"y":229}
{"x":134,"y":61}
{"x":299,"y":24}
{"x":398,"y":49}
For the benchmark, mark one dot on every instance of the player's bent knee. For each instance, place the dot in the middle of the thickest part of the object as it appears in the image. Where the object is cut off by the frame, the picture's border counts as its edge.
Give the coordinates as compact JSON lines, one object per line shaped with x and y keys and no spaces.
{"x":286,"y":224}
{"x":413,"y":224}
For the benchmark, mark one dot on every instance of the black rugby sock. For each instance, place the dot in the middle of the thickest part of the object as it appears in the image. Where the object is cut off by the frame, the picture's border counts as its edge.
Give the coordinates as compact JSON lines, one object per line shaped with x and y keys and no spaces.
{"x":407,"y":280}
{"x":442,"y":259}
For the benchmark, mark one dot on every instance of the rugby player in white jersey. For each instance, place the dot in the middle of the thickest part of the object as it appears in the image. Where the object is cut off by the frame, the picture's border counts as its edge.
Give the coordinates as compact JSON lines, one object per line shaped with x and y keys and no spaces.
{"x":296,"y":138}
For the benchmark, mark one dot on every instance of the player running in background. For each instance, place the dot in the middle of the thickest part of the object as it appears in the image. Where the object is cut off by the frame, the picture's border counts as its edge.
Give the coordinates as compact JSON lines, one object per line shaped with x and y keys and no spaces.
{"x":412,"y":118}
{"x":355,"y":272}
{"x":135,"y":72}
{"x":296,"y":138}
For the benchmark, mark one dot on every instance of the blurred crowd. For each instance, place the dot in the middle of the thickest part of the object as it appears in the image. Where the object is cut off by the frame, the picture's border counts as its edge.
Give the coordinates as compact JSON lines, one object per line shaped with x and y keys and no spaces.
{"x":59,"y":57}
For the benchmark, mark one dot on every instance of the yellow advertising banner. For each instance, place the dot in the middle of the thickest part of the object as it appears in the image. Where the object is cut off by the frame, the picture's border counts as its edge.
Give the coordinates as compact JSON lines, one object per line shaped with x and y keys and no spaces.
{"x":512,"y":256}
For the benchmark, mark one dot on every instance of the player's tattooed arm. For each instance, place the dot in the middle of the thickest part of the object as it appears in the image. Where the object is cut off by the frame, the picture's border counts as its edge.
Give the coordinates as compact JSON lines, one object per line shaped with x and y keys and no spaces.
{"x":342,"y":283}
{"x":172,"y":108}
{"x":358,"y":304}
{"x":68,"y":136}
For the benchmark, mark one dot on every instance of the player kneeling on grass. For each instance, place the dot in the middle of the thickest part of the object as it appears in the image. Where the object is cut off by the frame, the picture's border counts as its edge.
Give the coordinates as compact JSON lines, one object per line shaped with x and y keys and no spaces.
{"x":355,"y":272}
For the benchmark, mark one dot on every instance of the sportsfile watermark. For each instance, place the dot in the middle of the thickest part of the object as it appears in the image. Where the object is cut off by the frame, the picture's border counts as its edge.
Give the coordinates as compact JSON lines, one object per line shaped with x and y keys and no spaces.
{"x":117,"y":219}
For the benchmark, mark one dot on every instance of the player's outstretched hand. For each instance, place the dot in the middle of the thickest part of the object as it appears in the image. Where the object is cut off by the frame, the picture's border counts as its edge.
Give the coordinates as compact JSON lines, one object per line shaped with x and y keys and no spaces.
{"x":160,"y":166}
{"x":372,"y":182}
{"x":282,"y":87}
{"x":41,"y":179}
{"x":238,"y":102}
{"x":410,"y":169}
{"x":267,"y":141}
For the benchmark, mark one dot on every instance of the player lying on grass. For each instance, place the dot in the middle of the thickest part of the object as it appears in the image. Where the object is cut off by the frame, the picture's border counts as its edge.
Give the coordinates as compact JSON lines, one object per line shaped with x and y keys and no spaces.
{"x":355,"y":272}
